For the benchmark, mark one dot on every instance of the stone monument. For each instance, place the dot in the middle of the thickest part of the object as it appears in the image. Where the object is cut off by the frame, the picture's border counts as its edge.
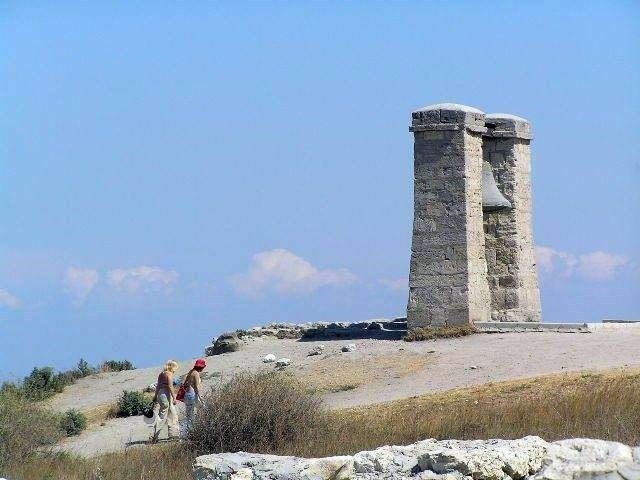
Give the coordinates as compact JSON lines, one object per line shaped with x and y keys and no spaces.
{"x":472,"y":257}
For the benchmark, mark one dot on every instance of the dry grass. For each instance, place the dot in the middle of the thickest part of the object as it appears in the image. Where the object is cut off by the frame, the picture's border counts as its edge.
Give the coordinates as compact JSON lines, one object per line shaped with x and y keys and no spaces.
{"x":336,"y":373}
{"x":24,"y":427}
{"x":599,"y":405}
{"x":591,"y":404}
{"x":158,"y":462}
{"x":265,"y":412}
{"x":431,"y":333}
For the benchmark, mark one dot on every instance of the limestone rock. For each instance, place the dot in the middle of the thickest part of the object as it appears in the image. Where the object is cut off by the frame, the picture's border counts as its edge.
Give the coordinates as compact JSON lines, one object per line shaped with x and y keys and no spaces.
{"x":270,"y":358}
{"x":227,"y":342}
{"x":283,"y":362}
{"x":529,"y":458}
{"x":485,"y":459}
{"x":349,"y":348}
{"x":238,"y":466}
{"x":317,"y":350}
{"x":149,"y":388}
{"x":584,"y":458}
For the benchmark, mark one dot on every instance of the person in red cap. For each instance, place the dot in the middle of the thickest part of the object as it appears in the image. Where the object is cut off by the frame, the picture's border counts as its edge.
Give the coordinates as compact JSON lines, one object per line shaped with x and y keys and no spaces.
{"x":193,"y":384}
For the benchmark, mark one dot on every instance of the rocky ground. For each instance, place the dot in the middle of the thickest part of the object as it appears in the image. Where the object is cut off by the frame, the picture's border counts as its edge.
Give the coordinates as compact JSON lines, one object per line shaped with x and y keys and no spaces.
{"x":377,"y":370}
{"x":529,"y":458}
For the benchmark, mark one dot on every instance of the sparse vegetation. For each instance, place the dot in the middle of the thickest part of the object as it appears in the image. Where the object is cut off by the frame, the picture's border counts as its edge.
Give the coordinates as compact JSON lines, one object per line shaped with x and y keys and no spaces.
{"x":116,"y":366}
{"x":257,"y":412}
{"x":73,"y":422}
{"x":587,"y":404}
{"x":432,"y":333}
{"x":156,"y":462}
{"x":24,"y":428}
{"x":132,"y":403}
{"x":84,"y":369}
{"x":600,"y":405}
{"x":344,"y":387}
{"x":44,"y":382}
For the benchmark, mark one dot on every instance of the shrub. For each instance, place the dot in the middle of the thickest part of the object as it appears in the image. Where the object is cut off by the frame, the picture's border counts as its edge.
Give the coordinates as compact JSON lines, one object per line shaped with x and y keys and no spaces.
{"x":431,"y":333}
{"x":42,"y":383}
{"x":11,"y":389}
{"x":24,"y":428}
{"x":131,"y":403}
{"x":73,"y":422}
{"x":116,"y":366}
{"x":253,"y":412}
{"x":84,"y":369}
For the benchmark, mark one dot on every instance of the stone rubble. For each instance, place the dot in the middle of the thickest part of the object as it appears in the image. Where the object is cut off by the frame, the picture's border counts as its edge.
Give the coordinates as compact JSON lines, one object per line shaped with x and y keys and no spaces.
{"x":225,"y":343}
{"x":377,"y":328}
{"x":528,"y":458}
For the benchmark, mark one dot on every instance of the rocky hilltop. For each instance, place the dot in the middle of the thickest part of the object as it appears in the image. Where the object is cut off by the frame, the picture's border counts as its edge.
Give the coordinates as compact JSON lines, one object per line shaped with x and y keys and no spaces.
{"x":529,"y":458}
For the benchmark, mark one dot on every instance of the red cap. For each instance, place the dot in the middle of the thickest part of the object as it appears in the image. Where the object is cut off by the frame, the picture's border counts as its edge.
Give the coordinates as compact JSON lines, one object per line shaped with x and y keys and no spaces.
{"x":200,"y":363}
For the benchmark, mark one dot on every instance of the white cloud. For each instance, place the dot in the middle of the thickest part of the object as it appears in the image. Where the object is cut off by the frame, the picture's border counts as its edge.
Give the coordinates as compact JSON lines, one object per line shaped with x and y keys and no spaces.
{"x":549,"y":259}
{"x":283,"y":272}
{"x":80,"y":282}
{"x":600,"y":266}
{"x":7,"y":300}
{"x":396,"y":285}
{"x":141,"y":279}
{"x":595,"y":266}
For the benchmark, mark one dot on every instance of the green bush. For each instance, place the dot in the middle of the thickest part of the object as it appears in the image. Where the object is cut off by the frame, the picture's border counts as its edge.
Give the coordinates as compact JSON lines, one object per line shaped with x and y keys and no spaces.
{"x":43,"y":383}
{"x":24,"y":428}
{"x":84,"y":369}
{"x":73,"y":422}
{"x":263,"y":412}
{"x":116,"y":366}
{"x":131,"y":403}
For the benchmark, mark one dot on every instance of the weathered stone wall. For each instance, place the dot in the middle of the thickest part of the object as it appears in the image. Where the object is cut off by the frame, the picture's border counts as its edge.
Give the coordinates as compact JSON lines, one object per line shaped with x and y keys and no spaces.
{"x":447,"y":280}
{"x":528,"y":458}
{"x":512,"y":274}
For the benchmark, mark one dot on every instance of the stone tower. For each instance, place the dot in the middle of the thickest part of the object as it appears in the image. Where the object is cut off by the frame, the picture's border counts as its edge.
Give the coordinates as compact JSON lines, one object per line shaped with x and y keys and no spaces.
{"x":448,"y":271}
{"x":512,"y":276}
{"x":467,"y":266}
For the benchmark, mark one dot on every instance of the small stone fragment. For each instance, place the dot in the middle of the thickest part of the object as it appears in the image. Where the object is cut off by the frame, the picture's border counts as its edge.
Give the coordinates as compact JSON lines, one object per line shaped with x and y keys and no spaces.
{"x":317,"y":350}
{"x":270,"y":358}
{"x":283,"y":362}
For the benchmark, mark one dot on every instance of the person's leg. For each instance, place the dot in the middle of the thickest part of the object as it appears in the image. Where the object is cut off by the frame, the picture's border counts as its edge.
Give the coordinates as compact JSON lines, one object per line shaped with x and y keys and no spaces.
{"x":163,"y":412}
{"x":173,"y":429}
{"x":190,"y":405}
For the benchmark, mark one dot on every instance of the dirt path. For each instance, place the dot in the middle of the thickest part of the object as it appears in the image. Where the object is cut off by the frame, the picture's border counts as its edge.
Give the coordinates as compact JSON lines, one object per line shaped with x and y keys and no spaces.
{"x":378,"y":371}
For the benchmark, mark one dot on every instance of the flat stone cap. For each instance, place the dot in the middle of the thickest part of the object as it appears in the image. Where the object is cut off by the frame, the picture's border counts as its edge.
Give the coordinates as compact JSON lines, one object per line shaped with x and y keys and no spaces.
{"x":508,"y":125}
{"x":447,"y":113}
{"x":506,"y":116}
{"x":450,"y":106}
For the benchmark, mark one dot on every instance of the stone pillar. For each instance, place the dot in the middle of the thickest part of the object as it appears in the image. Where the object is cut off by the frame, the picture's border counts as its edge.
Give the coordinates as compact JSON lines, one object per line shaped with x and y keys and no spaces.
{"x":448,"y":272}
{"x":512,"y":275}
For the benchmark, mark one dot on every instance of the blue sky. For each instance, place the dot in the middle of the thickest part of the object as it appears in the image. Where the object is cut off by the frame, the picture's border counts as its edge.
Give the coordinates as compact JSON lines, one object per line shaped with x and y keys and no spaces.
{"x":168,"y":172}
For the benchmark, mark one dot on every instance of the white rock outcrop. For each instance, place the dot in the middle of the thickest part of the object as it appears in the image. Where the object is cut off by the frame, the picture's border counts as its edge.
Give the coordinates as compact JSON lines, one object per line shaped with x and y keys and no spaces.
{"x":528,"y":458}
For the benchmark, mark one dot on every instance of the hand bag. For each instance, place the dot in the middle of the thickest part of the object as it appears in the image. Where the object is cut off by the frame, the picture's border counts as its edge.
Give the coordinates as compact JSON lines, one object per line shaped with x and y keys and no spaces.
{"x":181,"y":391}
